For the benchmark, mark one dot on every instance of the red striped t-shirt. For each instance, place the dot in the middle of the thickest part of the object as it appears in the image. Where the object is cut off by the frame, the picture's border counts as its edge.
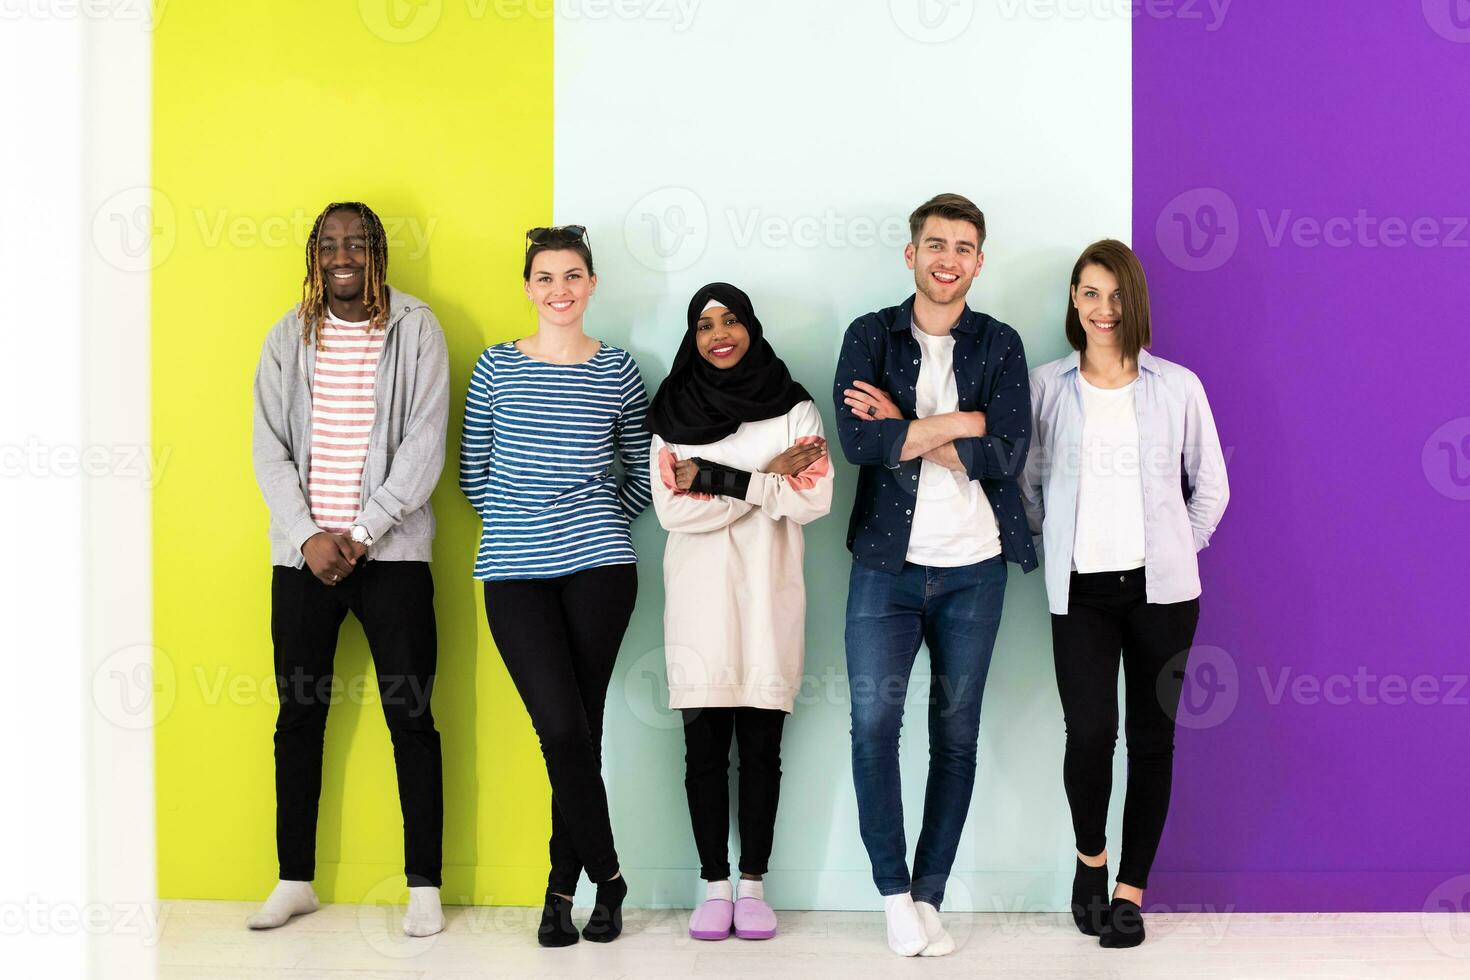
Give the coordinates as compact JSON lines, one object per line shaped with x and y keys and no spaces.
{"x":341,"y":420}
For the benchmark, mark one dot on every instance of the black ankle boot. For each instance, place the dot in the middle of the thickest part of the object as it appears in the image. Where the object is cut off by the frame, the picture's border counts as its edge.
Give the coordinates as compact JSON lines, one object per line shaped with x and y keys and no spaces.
{"x":1089,"y":897}
{"x":606,"y":923}
{"x":556,"y":922}
{"x":1123,"y":928}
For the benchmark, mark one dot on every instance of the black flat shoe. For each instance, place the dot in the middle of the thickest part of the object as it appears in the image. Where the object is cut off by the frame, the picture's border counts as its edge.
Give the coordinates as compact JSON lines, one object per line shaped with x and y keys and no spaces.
{"x":606,"y":923}
{"x":1123,"y":928}
{"x":556,"y":922}
{"x":1089,"y":897}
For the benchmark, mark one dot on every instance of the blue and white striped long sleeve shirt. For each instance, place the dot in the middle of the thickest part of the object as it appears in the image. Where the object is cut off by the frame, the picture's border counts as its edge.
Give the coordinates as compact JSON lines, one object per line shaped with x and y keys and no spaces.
{"x":536,"y":461}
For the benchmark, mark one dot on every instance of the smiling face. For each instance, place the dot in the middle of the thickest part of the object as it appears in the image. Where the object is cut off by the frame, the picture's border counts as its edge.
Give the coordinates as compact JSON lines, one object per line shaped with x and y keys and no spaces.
{"x":946,"y":258}
{"x":1099,"y":304}
{"x":342,"y":254}
{"x":559,"y":286}
{"x":721,"y":338}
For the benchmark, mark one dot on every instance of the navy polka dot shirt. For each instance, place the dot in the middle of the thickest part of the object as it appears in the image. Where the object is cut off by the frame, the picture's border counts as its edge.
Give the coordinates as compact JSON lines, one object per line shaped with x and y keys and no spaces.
{"x":991,"y":377}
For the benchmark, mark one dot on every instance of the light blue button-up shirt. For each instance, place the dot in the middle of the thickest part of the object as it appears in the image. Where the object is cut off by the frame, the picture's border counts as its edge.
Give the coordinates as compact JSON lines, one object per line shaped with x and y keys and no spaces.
{"x":1183,"y":468}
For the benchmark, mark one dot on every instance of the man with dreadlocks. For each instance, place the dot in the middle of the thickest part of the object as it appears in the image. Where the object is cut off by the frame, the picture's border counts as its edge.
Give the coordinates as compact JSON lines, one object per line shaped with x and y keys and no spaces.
{"x":351,"y":406}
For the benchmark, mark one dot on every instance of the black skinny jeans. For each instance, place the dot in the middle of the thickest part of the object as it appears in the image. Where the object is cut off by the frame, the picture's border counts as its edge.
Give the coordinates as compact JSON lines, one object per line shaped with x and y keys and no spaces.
{"x":707,"y":733}
{"x":394,"y":601}
{"x":1108,"y":614}
{"x":559,"y":638}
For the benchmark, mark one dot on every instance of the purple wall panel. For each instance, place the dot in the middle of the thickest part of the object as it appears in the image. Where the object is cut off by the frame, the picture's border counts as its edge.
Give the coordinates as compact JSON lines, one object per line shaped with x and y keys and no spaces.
{"x":1301,"y":194}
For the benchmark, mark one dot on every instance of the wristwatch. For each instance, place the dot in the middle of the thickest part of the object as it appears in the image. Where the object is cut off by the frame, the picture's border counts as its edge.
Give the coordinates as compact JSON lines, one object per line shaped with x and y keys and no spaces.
{"x":360,"y":535}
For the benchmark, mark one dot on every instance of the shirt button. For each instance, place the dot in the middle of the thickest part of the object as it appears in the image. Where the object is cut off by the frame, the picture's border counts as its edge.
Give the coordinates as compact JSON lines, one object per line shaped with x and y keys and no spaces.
{"x":908,"y":512}
{"x":1122,"y":578}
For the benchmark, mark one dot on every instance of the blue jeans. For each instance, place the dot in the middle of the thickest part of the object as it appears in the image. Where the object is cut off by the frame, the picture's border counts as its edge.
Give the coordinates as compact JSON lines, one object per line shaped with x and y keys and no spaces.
{"x":956,"y":612}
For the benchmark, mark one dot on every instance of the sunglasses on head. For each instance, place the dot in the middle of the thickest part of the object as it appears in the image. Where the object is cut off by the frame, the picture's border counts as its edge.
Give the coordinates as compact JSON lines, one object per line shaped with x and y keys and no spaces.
{"x":557,"y":235}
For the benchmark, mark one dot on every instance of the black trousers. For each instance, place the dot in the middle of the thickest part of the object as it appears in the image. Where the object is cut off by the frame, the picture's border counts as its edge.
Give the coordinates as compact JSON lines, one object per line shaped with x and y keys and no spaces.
{"x":394,"y":601}
{"x":707,"y":735}
{"x":1108,"y":615}
{"x":559,"y":639}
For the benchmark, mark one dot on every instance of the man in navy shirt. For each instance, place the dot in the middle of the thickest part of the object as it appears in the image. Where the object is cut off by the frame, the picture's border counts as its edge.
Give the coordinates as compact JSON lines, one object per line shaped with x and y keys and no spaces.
{"x":934,"y":404}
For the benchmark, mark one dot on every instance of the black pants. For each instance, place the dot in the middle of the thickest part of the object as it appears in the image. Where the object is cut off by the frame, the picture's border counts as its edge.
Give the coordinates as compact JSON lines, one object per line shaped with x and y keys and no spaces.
{"x":1108,"y":614}
{"x":707,"y":734}
{"x":394,"y":601}
{"x":559,"y":639}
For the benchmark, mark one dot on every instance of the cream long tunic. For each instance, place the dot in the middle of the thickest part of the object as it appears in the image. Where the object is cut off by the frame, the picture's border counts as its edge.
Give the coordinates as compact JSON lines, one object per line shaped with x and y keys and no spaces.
{"x":734,"y":594}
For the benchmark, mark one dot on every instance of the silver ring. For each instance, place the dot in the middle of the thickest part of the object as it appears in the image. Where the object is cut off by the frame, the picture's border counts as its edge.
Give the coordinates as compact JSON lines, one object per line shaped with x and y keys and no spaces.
{"x":335,"y":579}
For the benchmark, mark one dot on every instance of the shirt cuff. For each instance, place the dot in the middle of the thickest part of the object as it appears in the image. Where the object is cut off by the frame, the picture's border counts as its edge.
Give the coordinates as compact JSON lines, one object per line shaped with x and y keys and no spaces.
{"x":965,"y":450}
{"x":719,"y":479}
{"x":892,"y":433}
{"x":303,"y":531}
{"x":376,"y":520}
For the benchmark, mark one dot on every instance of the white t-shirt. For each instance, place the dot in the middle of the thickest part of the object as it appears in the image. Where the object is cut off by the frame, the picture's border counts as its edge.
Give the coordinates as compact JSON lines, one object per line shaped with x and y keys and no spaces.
{"x":953,"y":523}
{"x":1109,"y":535}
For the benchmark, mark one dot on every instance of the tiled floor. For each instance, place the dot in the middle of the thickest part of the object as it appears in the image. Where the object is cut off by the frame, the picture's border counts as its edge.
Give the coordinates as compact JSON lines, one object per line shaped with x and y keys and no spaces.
{"x":208,"y":940}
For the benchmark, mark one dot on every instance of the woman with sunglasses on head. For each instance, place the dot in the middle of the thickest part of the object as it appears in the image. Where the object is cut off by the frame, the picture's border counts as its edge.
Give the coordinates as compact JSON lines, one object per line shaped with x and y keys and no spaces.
{"x":1125,"y":483}
{"x":544,"y":419}
{"x":738,"y":465}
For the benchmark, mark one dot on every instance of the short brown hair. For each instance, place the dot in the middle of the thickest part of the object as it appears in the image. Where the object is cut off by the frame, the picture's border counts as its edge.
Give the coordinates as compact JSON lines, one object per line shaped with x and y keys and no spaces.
{"x":1135,"y":332}
{"x":560,"y":238}
{"x":955,"y":207}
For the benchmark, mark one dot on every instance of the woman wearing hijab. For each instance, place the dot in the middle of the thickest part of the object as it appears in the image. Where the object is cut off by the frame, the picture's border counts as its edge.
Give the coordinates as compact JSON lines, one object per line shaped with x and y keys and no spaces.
{"x":738,"y":465}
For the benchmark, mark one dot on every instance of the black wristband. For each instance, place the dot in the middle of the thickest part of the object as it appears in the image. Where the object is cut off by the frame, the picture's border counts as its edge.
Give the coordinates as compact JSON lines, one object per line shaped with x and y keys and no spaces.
{"x":720,"y":479}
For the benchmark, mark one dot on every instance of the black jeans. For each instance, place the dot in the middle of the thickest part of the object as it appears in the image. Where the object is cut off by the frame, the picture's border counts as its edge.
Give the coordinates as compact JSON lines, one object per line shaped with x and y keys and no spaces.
{"x":707,"y":733}
{"x":394,"y":601}
{"x":559,"y":639}
{"x":1108,"y":614}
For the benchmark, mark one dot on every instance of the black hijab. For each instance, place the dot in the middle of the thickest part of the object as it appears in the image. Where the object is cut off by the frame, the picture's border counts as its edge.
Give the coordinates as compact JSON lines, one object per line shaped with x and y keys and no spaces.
{"x":699,"y":403}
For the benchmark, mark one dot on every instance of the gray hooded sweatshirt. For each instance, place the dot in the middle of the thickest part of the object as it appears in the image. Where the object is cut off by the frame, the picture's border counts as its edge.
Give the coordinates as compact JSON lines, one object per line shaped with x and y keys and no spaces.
{"x":405,"y":450}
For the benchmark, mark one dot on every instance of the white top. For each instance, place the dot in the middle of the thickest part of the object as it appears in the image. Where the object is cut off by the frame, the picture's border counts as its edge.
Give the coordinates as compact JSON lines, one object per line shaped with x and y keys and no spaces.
{"x":734,"y":592}
{"x":953,"y":523}
{"x":1109,"y":535}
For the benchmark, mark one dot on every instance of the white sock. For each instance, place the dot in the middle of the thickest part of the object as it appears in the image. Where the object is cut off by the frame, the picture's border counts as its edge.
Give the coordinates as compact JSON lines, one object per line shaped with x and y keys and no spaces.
{"x":752,"y":889}
{"x":941,"y":943}
{"x":424,"y":916}
{"x":287,"y":899}
{"x":905,"y":932}
{"x":717,"y":889}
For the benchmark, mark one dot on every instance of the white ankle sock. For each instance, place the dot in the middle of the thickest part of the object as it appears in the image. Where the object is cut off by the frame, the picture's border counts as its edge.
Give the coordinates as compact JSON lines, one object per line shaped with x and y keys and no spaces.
{"x":752,"y":889}
{"x":287,"y":899}
{"x":941,"y":943}
{"x":424,"y":917}
{"x":717,"y":889}
{"x":905,"y":932}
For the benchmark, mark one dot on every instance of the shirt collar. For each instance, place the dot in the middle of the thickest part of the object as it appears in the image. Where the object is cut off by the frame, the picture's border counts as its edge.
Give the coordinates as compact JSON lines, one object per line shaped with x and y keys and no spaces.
{"x":969,"y":321}
{"x":1146,"y":362}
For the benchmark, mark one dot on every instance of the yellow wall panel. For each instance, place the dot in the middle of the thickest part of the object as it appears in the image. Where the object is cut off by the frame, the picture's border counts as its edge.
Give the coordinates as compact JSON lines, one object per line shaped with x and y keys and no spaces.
{"x":439,"y":116}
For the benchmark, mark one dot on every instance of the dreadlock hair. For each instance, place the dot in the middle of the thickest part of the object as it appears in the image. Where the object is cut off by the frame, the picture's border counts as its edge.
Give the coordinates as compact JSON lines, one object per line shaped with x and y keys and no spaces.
{"x":313,"y":307}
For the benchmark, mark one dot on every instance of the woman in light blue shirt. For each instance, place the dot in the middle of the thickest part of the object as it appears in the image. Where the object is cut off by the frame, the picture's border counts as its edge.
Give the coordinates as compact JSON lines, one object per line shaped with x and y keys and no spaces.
{"x":1125,"y":483}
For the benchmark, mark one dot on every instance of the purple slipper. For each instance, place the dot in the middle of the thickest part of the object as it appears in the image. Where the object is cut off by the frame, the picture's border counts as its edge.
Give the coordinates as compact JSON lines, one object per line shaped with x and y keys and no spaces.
{"x":711,"y":920}
{"x":754,"y":919}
